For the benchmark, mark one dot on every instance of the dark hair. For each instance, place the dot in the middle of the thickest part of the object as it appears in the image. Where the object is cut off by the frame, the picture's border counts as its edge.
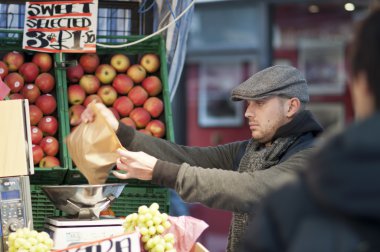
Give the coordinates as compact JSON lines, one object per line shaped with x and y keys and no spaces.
{"x":365,"y":52}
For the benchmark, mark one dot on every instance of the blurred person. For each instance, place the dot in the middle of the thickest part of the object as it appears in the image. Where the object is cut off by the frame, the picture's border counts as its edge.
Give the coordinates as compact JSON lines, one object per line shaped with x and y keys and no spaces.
{"x":234,"y":176}
{"x":335,"y":204}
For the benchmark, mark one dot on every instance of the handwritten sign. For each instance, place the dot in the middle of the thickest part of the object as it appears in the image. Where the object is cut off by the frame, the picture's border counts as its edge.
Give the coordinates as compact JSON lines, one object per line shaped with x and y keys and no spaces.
{"x":61,"y":26}
{"x":122,"y":243}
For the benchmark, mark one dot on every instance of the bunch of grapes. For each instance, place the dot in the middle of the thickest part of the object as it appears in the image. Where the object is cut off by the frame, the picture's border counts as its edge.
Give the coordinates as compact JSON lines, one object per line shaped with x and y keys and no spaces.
{"x":24,"y":240}
{"x":151,"y":224}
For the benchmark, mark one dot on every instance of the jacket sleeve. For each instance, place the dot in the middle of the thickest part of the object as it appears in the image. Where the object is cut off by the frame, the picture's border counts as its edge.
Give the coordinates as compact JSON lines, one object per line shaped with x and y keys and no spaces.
{"x":235,"y":191}
{"x":205,"y":174}
{"x":220,"y":157}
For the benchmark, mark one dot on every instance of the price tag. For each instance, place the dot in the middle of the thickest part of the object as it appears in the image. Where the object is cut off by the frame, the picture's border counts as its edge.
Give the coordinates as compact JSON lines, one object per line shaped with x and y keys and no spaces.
{"x":61,"y":26}
{"x":121,"y":243}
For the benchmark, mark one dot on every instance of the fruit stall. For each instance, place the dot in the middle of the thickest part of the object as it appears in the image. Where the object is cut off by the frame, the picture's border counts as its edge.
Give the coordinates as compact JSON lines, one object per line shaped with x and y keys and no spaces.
{"x":50,"y":72}
{"x":132,"y":83}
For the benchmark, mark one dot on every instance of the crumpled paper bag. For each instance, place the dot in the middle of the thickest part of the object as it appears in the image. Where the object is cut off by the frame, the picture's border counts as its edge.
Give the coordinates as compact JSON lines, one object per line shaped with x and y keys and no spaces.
{"x":186,"y":230}
{"x":92,"y":146}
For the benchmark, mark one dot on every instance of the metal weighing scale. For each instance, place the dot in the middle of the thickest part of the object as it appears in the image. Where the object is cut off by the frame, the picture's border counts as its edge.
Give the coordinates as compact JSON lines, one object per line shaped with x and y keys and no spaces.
{"x":82,"y":205}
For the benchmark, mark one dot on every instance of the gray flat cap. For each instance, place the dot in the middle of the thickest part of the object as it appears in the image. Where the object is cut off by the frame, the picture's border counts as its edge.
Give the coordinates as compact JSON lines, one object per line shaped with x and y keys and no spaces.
{"x":279,"y":80}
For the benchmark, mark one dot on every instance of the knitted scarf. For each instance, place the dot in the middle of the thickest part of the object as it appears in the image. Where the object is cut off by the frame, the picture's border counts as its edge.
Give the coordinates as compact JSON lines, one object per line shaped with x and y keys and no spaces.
{"x":255,"y":158}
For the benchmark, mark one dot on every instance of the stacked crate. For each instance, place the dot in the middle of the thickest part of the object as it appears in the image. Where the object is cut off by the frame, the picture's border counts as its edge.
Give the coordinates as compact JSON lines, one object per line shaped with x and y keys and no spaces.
{"x":136,"y":192}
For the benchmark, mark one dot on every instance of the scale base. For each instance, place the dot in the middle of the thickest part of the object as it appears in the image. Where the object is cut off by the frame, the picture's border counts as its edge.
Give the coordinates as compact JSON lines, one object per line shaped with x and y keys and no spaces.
{"x":69,"y":232}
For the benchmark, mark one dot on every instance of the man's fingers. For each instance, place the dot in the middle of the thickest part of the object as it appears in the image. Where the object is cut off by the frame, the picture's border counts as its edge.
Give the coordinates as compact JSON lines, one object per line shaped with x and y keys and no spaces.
{"x":121,"y":164}
{"x":120,"y":175}
{"x":87,"y":115}
{"x":124,"y":160}
{"x":100,"y":105}
{"x":126,"y":154}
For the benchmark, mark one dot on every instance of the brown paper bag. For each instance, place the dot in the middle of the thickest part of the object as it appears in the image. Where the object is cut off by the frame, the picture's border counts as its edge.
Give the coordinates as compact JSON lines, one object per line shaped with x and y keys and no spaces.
{"x":92,"y":147}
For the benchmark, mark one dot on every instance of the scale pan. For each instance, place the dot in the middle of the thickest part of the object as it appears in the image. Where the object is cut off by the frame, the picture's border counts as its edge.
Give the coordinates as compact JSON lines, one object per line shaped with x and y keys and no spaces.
{"x":83,"y":201}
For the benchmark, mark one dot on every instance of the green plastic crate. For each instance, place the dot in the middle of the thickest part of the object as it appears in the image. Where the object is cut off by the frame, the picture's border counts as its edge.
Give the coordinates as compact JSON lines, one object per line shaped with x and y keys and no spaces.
{"x":11,"y":40}
{"x":154,"y":45}
{"x":41,"y":207}
{"x":133,"y":197}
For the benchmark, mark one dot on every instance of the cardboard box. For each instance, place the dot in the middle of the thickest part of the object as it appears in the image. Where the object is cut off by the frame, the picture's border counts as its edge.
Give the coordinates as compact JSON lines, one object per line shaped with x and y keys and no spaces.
{"x":16,"y":156}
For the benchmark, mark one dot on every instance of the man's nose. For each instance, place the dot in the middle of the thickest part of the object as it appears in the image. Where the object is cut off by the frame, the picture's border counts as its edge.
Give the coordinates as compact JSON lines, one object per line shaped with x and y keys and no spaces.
{"x":249,"y":112}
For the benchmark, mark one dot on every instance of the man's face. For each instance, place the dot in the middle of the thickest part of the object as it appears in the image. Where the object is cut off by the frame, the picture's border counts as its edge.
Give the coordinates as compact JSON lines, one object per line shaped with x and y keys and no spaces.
{"x":265,"y":116}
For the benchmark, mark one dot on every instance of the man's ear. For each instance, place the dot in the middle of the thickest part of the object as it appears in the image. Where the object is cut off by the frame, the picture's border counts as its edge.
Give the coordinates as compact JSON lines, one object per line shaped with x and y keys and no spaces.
{"x":294,"y":104}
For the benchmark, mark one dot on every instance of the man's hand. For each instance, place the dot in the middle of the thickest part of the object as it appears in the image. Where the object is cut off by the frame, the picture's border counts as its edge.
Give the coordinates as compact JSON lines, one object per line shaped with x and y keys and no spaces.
{"x":137,"y":165}
{"x":88,"y":115}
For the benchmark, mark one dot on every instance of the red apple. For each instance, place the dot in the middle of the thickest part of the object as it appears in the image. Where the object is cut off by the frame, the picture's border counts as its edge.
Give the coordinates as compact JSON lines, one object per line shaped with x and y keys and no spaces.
{"x":108,"y":94}
{"x":151,"y":62}
{"x":16,"y":96}
{"x":137,"y":73}
{"x":14,"y":81}
{"x":43,"y":60}
{"x":76,"y":94}
{"x":45,"y":82}
{"x":50,"y":145}
{"x":48,"y":125}
{"x":156,"y":127}
{"x":89,"y":83}
{"x":128,"y":121}
{"x":47,"y":104}
{"x":115,"y":113}
{"x":35,"y":114}
{"x":154,"y":106}
{"x":49,"y":162}
{"x":122,"y":84}
{"x":140,"y":116}
{"x":13,"y":60}
{"x":91,"y":98}
{"x":3,"y":69}
{"x":36,"y":134}
{"x":75,"y":113}
{"x":38,"y":153}
{"x":123,"y":106}
{"x":29,"y":71}
{"x":145,"y":131}
{"x":152,"y":85}
{"x":89,"y":62}
{"x":120,"y":62}
{"x":74,"y":73}
{"x":31,"y":92}
{"x":105,"y":73}
{"x":138,"y":95}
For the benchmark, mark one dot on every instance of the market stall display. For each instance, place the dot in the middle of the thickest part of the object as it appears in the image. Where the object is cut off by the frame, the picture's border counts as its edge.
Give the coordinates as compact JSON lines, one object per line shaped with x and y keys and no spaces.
{"x":55,"y":67}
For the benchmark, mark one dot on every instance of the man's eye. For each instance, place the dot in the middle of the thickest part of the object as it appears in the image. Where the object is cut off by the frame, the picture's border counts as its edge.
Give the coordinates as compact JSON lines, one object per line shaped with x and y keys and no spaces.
{"x":260,"y":103}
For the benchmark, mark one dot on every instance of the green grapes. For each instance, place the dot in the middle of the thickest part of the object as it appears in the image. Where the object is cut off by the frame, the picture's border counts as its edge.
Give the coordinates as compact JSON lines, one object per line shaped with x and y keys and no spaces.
{"x":26,"y":240}
{"x":151,"y":224}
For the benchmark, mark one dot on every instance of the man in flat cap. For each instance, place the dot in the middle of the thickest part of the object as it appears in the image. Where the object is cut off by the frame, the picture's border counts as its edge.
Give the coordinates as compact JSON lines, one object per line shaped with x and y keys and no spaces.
{"x":234,"y":176}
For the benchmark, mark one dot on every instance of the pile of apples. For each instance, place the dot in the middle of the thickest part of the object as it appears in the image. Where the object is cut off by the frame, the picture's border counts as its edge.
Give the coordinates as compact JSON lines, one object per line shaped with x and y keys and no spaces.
{"x":31,"y":80}
{"x":130,"y":90}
